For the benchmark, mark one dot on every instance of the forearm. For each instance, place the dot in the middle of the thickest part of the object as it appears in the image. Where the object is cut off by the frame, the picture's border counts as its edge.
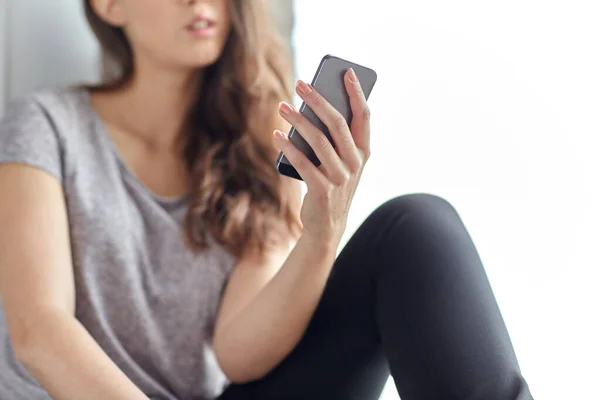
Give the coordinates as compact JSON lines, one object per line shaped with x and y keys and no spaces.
{"x":69,"y":364}
{"x":271,"y":325}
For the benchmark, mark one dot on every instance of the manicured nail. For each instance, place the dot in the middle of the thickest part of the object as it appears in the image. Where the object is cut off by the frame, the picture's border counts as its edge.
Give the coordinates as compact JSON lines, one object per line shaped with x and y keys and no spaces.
{"x":285,"y":108}
{"x":352,"y":76}
{"x":304,"y":88}
{"x":278,"y":134}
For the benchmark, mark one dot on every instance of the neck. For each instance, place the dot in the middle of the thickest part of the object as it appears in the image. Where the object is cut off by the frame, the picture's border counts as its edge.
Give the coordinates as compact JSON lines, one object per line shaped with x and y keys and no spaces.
{"x":155,"y":102}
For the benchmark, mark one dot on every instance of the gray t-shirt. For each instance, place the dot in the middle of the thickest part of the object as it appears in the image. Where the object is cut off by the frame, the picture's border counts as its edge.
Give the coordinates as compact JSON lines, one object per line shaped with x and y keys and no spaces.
{"x":145,"y":298}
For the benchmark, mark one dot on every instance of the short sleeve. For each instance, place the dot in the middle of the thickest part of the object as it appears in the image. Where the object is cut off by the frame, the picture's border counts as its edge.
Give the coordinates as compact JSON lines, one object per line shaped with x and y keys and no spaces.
{"x":28,"y":135}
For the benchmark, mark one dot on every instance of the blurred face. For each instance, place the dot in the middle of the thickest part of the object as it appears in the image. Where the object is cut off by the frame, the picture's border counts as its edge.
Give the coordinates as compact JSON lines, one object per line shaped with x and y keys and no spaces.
{"x":176,"y":33}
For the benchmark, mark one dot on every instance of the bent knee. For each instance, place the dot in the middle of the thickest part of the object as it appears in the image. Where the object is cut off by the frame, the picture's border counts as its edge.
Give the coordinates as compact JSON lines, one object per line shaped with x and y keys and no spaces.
{"x":418,"y":203}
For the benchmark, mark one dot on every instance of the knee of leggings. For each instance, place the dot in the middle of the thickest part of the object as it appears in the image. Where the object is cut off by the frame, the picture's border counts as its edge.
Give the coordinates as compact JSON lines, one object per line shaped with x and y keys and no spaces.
{"x":408,"y":219}
{"x":418,"y":203}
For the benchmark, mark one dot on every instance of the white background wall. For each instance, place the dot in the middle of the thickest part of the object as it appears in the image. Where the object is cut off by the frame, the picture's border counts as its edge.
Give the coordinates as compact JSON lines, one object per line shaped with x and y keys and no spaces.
{"x":3,"y":32}
{"x":49,"y":42}
{"x":495,"y":106}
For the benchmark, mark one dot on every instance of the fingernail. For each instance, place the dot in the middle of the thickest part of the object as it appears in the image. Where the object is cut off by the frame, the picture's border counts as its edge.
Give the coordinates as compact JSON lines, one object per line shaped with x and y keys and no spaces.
{"x":285,"y":108}
{"x":303,"y":87}
{"x":278,"y":134}
{"x":352,"y":76}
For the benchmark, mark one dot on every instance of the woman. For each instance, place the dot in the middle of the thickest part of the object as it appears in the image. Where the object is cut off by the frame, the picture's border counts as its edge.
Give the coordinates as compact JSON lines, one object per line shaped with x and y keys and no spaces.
{"x":149,"y":249}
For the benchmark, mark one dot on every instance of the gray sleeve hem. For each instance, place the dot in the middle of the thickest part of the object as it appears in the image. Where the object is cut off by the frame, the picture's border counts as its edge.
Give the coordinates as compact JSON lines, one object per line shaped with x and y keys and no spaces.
{"x":34,"y":162}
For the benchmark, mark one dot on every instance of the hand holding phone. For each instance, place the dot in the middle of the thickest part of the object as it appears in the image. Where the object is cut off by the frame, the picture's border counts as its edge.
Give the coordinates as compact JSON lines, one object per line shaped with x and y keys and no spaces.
{"x":340,"y":143}
{"x":328,"y":81}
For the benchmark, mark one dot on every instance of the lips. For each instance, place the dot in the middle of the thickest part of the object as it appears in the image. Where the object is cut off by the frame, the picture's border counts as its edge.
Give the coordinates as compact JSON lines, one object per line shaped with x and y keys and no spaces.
{"x":200,"y":22}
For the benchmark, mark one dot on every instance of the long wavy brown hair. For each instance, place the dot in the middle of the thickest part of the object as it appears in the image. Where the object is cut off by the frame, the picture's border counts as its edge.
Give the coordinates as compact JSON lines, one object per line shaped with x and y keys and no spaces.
{"x":237,"y":196}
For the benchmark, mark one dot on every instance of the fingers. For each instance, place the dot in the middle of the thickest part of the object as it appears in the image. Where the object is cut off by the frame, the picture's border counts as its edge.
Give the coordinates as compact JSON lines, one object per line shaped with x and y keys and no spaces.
{"x":306,"y":169}
{"x":361,"y":114}
{"x":335,"y":122}
{"x":331,"y":162}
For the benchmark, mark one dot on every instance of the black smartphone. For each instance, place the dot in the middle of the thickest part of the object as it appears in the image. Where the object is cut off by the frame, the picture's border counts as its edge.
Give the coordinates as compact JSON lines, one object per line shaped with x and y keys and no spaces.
{"x":329,"y":82}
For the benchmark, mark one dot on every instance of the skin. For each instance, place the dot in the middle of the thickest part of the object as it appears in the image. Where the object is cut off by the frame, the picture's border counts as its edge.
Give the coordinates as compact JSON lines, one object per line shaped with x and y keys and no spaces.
{"x":279,"y":288}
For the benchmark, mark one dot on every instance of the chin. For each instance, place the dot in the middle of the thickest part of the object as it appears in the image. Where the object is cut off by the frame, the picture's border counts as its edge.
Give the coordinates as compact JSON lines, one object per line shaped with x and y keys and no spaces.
{"x":203,"y":61}
{"x":202,"y":56}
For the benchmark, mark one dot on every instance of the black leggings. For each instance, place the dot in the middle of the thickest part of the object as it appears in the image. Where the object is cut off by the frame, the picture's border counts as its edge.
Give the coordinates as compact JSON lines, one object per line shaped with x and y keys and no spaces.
{"x":407,"y":295}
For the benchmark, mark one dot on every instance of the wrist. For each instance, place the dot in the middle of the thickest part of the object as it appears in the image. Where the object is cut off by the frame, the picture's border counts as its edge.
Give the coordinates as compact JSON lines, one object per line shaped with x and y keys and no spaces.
{"x":320,"y":243}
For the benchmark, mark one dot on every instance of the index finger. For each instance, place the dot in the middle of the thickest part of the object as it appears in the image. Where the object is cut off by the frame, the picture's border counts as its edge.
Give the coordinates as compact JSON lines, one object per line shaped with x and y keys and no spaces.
{"x":361,"y":114}
{"x":332,"y":118}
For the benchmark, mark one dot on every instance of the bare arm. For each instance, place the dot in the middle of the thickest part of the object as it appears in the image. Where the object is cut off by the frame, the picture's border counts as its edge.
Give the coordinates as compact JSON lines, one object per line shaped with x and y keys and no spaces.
{"x":270,"y":299}
{"x":256,"y":331}
{"x":37,"y":289}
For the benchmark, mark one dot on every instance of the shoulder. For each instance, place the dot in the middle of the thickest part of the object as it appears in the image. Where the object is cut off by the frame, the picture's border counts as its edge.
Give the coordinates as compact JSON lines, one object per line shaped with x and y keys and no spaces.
{"x":42,"y":128}
{"x":56,"y":106}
